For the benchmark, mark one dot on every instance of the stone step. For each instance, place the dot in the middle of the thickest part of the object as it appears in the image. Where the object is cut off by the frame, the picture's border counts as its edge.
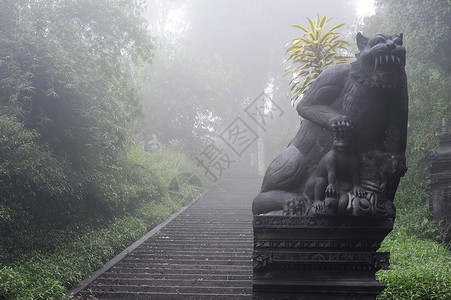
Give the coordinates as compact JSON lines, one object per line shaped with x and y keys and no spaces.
{"x":181,"y":270}
{"x":204,"y":237}
{"x":182,"y":264}
{"x":203,"y":253}
{"x":219,"y":245}
{"x":171,"y":289}
{"x":156,"y":250}
{"x":164,"y":243}
{"x":201,"y":240}
{"x":105,"y":295}
{"x":184,"y":256}
{"x":177,"y":276}
{"x":202,"y":224}
{"x":206,"y":231}
{"x":198,"y":261}
{"x":195,"y":282}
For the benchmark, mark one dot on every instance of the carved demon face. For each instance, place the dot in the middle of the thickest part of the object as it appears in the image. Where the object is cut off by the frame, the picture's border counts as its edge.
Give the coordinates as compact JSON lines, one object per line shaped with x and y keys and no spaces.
{"x":382,"y":58}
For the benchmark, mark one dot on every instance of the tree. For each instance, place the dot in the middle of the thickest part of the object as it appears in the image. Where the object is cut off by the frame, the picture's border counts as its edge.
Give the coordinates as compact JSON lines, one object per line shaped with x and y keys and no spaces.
{"x":312,"y":53}
{"x":186,"y":95}
{"x":66,"y":101}
{"x":63,"y":71}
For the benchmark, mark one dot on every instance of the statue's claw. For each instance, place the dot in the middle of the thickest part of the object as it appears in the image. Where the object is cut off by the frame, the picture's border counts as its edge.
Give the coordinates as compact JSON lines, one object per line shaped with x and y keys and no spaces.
{"x":341,"y":124}
{"x":359,"y":191}
{"x":326,"y":207}
{"x":331,"y":191}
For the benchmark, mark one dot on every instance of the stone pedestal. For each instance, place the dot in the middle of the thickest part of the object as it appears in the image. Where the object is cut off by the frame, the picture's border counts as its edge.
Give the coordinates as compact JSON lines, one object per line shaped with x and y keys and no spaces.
{"x":438,"y":165}
{"x":311,"y":258}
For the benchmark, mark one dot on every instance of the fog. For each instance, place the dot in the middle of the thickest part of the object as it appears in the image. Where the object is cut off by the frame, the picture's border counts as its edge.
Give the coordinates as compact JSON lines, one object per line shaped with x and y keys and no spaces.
{"x":237,"y":49}
{"x":248,"y":35}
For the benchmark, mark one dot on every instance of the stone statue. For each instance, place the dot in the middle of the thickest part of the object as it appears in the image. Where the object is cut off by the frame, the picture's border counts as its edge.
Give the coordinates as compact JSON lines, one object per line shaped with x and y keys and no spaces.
{"x":438,"y":165}
{"x":349,"y":153}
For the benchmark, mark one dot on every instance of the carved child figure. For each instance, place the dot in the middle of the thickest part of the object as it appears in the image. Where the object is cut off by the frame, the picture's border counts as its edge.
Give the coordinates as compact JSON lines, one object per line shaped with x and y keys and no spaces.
{"x":376,"y":170}
{"x":337,"y":174}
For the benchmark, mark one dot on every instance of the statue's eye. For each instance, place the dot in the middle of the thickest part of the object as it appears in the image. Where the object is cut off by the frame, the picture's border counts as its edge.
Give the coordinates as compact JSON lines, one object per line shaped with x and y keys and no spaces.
{"x":378,"y":40}
{"x":397,"y":41}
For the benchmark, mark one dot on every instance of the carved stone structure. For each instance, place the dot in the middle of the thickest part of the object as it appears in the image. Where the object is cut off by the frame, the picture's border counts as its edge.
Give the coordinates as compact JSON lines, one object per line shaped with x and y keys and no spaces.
{"x":438,"y":164}
{"x":318,"y":257}
{"x":326,"y":202}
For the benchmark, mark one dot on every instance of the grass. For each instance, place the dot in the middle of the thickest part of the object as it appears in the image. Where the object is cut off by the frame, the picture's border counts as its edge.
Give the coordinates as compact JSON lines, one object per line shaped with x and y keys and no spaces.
{"x":419,"y":269}
{"x":77,"y":252}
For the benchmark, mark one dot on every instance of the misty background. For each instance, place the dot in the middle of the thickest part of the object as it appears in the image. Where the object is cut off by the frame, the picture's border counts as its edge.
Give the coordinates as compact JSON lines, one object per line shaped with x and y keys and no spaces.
{"x":215,"y":57}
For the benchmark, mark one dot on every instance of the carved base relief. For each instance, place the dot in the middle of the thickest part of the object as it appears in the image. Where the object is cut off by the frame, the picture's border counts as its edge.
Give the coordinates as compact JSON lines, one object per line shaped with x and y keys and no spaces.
{"x":318,"y":257}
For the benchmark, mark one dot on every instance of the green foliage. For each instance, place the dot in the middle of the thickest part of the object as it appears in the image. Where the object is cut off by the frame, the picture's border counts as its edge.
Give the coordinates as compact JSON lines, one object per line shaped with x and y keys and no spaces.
{"x":38,"y":187}
{"x":62,"y":258}
{"x":186,"y":95}
{"x":68,"y":112}
{"x":16,"y":285}
{"x":166,"y":164}
{"x":415,"y":221}
{"x":63,"y":72}
{"x":40,"y":264}
{"x":120,"y":188}
{"x":67,"y":109}
{"x":33,"y":182}
{"x":77,"y":253}
{"x":425,"y":25}
{"x":312,"y":53}
{"x":420,"y":266}
{"x":419,"y":269}
{"x":140,"y":180}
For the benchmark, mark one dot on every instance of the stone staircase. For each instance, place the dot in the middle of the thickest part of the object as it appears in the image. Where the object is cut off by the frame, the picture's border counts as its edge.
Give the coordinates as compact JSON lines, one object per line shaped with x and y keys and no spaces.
{"x":203,"y":253}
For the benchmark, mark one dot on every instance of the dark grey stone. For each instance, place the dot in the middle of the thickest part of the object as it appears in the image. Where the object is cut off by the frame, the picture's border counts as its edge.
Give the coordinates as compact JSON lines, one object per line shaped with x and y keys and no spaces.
{"x":304,"y":257}
{"x":326,"y":202}
{"x":438,"y":165}
{"x":349,"y":153}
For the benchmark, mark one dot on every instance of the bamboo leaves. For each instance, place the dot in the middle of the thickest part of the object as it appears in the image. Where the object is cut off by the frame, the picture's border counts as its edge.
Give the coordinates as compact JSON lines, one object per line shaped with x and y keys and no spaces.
{"x":310,"y":54}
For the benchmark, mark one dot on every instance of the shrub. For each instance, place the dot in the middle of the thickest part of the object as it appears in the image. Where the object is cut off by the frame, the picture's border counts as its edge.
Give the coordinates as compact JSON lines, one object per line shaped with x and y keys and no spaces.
{"x":415,"y":221}
{"x":16,"y":285}
{"x":41,"y":264}
{"x":419,"y":269}
{"x":121,"y":188}
{"x":34,"y":183}
{"x":168,"y":164}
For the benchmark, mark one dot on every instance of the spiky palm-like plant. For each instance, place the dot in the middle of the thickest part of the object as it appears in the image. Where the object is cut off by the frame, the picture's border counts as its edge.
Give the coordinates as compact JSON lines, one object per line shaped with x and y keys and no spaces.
{"x":310,"y":54}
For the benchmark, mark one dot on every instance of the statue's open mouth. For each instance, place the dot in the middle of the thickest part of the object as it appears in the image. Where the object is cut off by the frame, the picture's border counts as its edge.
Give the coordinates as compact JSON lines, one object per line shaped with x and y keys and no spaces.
{"x":387,"y":62}
{"x":385,"y":67}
